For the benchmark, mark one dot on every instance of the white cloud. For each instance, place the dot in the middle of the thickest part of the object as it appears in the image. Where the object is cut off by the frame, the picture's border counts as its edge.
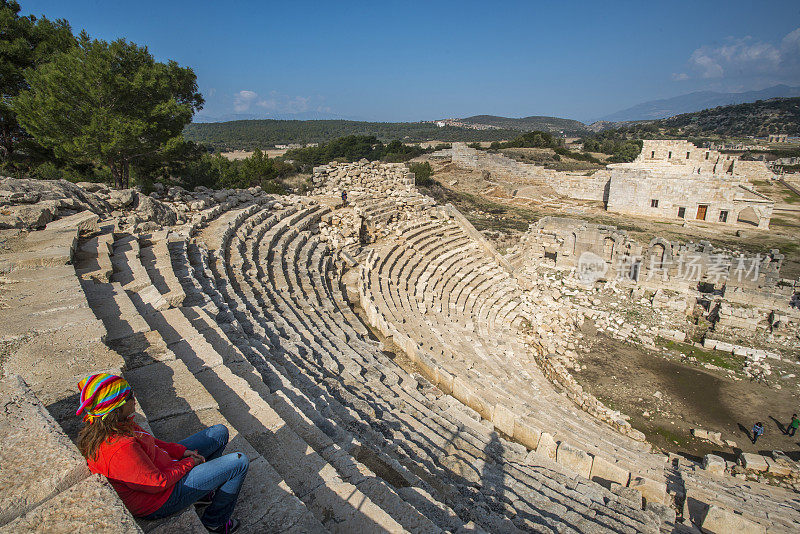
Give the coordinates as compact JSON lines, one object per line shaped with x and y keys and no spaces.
{"x":744,"y":58}
{"x":243,"y":100}
{"x":680,"y":76}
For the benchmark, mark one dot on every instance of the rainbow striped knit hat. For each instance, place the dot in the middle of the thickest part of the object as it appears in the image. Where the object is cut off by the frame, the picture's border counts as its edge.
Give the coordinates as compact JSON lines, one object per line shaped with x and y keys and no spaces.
{"x":101,"y":394}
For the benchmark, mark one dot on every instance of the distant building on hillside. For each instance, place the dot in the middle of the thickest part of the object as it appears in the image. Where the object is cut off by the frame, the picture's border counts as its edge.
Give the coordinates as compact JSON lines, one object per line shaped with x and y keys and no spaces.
{"x":777,"y":138}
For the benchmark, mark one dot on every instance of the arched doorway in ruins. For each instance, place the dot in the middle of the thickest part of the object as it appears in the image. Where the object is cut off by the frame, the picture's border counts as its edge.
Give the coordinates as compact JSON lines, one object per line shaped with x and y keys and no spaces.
{"x":608,"y":249}
{"x":748,"y":216}
{"x":657,"y":253}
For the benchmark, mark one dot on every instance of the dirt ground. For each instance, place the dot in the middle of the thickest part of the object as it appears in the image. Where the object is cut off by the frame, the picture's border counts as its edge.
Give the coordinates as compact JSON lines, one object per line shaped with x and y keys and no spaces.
{"x":677,"y":397}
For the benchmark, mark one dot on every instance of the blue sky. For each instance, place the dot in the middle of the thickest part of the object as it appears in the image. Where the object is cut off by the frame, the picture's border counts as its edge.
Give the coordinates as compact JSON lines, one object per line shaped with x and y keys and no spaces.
{"x":410,"y":60}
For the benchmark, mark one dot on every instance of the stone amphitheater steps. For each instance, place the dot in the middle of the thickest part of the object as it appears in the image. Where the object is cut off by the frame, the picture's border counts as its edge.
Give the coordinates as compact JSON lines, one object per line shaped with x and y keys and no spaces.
{"x":300,"y":472}
{"x":406,"y":516}
{"x":410,"y":266}
{"x":280,"y":280}
{"x":177,"y":403}
{"x":776,"y":509}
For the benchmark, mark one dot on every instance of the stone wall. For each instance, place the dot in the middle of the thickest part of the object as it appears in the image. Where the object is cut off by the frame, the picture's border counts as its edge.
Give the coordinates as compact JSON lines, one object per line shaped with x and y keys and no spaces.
{"x":363,"y":177}
{"x":743,"y":292}
{"x":669,"y":194}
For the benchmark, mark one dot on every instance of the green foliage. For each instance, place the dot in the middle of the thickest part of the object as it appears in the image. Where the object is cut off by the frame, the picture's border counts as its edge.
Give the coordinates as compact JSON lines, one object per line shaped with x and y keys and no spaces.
{"x":216,"y":171}
{"x":353,"y":148}
{"x":422,"y":173}
{"x":476,"y":146}
{"x":108,"y":103}
{"x":252,"y":134}
{"x":776,"y":115}
{"x":613,"y":142}
{"x":526,"y":124}
{"x":561,"y":151}
{"x":25,"y":42}
{"x":535,"y":139}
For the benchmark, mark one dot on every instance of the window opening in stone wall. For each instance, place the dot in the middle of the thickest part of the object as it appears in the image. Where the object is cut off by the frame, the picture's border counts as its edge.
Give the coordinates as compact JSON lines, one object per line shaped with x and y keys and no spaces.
{"x":669,"y":154}
{"x":654,"y":203}
{"x":687,"y":155}
{"x":723,"y":215}
{"x":707,"y":154}
{"x":681,"y":213}
{"x":652,"y":154}
{"x":701,"y":212}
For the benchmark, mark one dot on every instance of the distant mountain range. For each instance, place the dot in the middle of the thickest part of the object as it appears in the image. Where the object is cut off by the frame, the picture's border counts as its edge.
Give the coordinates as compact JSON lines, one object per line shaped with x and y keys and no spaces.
{"x":661,"y":109}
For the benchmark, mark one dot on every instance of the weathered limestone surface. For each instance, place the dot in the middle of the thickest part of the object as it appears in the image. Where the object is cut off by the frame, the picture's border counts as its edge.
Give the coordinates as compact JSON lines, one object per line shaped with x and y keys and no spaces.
{"x":651,"y":490}
{"x":43,"y":481}
{"x":721,"y":521}
{"x":753,"y":462}
{"x":91,"y":505}
{"x":605,"y":472}
{"x":714,"y":464}
{"x":574,"y":459}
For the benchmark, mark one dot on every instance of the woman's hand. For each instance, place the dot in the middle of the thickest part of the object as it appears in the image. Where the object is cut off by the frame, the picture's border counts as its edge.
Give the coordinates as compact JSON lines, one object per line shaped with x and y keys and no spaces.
{"x":195,"y":456}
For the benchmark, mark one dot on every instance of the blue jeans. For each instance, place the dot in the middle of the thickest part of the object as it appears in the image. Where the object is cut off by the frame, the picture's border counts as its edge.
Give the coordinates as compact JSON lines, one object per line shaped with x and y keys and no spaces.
{"x":223,"y":475}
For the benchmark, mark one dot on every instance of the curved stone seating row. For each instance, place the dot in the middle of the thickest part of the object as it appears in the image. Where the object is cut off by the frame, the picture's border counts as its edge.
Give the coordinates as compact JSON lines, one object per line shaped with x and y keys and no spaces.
{"x":278,"y":316}
{"x":239,"y":318}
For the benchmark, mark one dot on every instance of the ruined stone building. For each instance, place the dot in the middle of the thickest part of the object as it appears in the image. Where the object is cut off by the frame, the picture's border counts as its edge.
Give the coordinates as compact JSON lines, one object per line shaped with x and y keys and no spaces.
{"x":743,"y":291}
{"x":669,"y":180}
{"x":677,"y":180}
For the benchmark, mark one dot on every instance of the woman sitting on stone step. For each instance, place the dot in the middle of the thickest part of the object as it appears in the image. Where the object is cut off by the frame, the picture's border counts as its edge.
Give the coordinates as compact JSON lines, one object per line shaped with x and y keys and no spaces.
{"x":155,"y":478}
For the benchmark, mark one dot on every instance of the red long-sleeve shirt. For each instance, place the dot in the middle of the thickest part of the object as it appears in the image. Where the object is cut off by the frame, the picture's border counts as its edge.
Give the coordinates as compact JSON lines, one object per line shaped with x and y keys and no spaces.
{"x":141,"y":468}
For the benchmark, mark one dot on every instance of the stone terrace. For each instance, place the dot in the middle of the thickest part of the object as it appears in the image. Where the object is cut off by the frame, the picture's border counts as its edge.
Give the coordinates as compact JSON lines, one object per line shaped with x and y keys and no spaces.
{"x":240,"y":315}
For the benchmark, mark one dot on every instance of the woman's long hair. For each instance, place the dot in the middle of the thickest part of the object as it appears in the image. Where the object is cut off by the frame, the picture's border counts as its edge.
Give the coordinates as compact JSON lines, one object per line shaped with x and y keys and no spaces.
{"x":95,"y":433}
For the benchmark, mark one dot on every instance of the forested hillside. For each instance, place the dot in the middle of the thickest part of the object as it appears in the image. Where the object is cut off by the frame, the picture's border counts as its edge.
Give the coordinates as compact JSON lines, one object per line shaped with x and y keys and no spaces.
{"x":252,"y":134}
{"x":776,"y":115}
{"x":529,"y":124}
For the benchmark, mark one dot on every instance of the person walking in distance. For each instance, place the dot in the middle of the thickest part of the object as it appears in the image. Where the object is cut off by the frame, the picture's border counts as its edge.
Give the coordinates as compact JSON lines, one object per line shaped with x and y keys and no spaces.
{"x":344,"y":198}
{"x":791,"y":428}
{"x":758,"y":429}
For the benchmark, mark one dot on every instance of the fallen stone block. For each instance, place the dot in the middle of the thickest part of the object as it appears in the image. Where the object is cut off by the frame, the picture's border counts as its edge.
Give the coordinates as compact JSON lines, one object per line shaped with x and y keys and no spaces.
{"x":526,"y":435}
{"x":714,"y":464}
{"x":777,"y":468}
{"x":84,"y":222}
{"x":605,"y":473}
{"x":651,"y":490}
{"x":547,"y":446}
{"x":753,"y":462}
{"x":574,"y":459}
{"x":720,"y":521}
{"x":503,"y":420}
